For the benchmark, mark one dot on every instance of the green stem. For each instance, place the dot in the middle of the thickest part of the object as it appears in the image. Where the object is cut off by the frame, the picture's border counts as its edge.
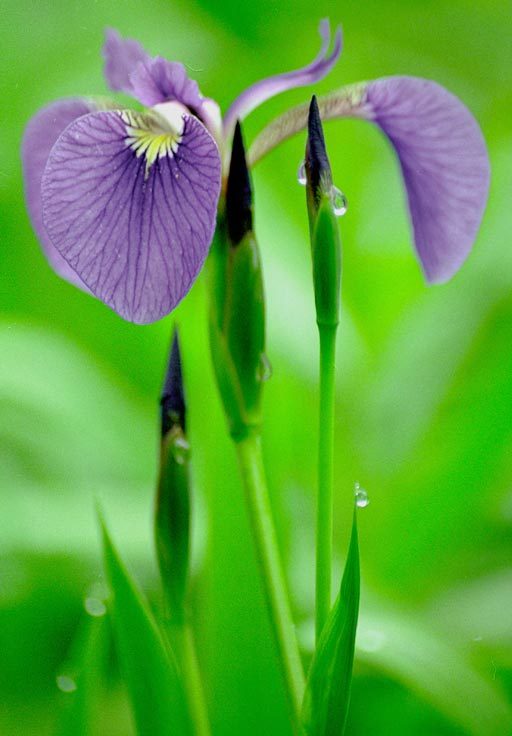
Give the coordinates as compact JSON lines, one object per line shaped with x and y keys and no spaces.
{"x":327,"y":335}
{"x":253,"y":475}
{"x":181,"y":639}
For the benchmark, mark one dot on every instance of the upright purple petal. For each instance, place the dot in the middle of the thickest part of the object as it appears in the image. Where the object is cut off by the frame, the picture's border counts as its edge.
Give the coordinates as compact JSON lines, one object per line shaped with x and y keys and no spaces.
{"x":121,"y":57}
{"x":40,"y":135}
{"x":131,"y":205}
{"x":263,"y":90}
{"x":158,"y":80}
{"x":444,"y":163}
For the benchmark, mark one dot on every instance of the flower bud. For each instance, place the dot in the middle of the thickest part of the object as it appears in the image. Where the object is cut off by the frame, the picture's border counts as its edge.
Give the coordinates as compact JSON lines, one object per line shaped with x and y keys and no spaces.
{"x":172,"y":508}
{"x":237,"y":317}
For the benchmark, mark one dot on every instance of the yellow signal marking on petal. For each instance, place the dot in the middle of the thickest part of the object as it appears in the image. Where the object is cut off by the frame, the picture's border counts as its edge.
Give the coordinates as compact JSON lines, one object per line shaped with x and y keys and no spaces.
{"x":148,"y":135}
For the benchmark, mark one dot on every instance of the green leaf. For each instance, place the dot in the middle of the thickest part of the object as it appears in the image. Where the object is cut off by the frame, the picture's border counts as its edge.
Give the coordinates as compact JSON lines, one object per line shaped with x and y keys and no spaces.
{"x":149,"y":669}
{"x":327,"y":695}
{"x":82,"y":675}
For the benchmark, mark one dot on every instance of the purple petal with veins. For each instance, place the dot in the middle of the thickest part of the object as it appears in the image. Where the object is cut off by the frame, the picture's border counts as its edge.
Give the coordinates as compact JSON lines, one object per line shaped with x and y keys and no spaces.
{"x":444,"y":163}
{"x":158,"y":80}
{"x":121,"y":57}
{"x":131,"y":205}
{"x":40,"y":135}
{"x":263,"y":90}
{"x":441,"y":151}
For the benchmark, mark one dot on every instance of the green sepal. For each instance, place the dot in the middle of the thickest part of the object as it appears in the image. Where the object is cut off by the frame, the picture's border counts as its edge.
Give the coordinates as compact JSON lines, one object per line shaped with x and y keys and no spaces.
{"x":327,"y":694}
{"x":148,"y":666}
{"x":237,"y":329}
{"x":172,"y":521}
{"x":326,"y":255}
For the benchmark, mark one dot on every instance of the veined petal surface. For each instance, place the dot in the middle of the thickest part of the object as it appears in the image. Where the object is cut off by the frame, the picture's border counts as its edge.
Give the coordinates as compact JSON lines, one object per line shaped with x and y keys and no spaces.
{"x":444,"y":163}
{"x":40,"y":135}
{"x":442,"y":155}
{"x":158,"y":80}
{"x":131,"y":204}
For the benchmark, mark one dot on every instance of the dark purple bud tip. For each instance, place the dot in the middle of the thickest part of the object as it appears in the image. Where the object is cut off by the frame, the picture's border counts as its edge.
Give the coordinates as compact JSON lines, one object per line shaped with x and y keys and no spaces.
{"x":239,"y":192}
{"x":318,"y":169}
{"x":173,"y":399}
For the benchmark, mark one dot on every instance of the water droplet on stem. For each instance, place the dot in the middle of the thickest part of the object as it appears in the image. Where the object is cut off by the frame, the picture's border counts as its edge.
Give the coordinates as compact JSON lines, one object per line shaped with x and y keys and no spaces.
{"x":361,"y":496}
{"x":95,"y":607}
{"x":339,"y":202}
{"x":301,"y":174}
{"x":264,"y":370}
{"x":180,"y":450}
{"x":65,"y":684}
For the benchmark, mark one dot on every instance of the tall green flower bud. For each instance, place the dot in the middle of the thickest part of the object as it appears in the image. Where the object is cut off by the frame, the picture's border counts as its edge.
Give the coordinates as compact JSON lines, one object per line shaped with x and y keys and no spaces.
{"x":172,"y":510}
{"x":323,"y":225}
{"x":237,"y":315}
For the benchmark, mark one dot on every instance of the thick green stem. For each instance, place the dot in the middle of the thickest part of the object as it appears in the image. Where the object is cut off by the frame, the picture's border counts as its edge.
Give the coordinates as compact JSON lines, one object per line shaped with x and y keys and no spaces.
{"x":181,"y":639}
{"x":325,"y":475}
{"x":253,"y":475}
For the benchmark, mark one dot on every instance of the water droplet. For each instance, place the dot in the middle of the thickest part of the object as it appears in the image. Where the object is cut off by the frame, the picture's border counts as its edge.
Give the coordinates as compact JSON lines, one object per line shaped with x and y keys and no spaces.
{"x":65,"y":684}
{"x":339,"y":202}
{"x":180,"y":450}
{"x":301,"y":174}
{"x":95,"y":607}
{"x":264,"y":370}
{"x":362,"y":499}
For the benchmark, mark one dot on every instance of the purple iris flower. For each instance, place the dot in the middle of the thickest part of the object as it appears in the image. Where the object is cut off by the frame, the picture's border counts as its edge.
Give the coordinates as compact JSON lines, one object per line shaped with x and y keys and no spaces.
{"x":124,"y":202}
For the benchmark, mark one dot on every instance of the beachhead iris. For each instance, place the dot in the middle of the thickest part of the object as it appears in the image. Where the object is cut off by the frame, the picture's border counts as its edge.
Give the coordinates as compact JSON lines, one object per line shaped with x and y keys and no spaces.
{"x":125,"y":203}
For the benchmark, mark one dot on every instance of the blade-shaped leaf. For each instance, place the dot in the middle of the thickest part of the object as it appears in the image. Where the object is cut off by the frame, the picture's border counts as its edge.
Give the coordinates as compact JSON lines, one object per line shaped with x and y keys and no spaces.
{"x":327,"y":693}
{"x":149,"y":669}
{"x":82,"y":675}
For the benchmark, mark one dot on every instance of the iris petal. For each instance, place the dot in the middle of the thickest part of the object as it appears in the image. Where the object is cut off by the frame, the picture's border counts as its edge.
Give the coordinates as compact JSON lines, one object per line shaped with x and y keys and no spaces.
{"x":121,"y":57}
{"x":151,"y":80}
{"x":158,"y":80}
{"x":442,"y":156}
{"x":444,"y":163}
{"x":131,"y":205}
{"x":263,"y":90}
{"x":40,"y":135}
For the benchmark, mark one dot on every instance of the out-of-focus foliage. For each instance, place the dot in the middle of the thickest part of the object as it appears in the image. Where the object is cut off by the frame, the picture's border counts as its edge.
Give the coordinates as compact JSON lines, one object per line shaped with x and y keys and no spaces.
{"x":424,"y":389}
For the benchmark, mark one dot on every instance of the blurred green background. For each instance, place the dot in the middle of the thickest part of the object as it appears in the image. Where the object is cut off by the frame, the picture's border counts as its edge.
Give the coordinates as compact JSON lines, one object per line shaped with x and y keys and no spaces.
{"x":424,"y":416}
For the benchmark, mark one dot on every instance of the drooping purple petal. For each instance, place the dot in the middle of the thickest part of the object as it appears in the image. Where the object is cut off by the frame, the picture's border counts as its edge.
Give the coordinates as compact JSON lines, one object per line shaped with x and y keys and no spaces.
{"x":131,"y":205}
{"x":444,"y":163}
{"x":40,"y":135}
{"x":121,"y":57}
{"x":263,"y":90}
{"x":441,"y":151}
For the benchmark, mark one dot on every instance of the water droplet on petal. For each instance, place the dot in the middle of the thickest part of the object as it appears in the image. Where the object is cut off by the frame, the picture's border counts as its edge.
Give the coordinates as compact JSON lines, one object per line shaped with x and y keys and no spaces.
{"x":95,"y":607}
{"x":339,"y":202}
{"x":301,"y":174}
{"x":180,"y":450}
{"x":264,"y":370}
{"x":362,"y":499}
{"x":65,"y":684}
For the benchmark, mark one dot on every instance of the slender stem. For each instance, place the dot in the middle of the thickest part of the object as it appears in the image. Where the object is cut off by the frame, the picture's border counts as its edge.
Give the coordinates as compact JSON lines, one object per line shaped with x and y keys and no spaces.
{"x":325,"y":476}
{"x":253,"y":474}
{"x":181,"y":639}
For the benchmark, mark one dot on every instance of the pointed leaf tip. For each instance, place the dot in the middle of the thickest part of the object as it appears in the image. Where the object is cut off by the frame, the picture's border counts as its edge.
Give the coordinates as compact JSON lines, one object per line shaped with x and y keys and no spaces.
{"x":173,"y":409}
{"x":327,"y":695}
{"x":239,"y":191}
{"x":148,"y":666}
